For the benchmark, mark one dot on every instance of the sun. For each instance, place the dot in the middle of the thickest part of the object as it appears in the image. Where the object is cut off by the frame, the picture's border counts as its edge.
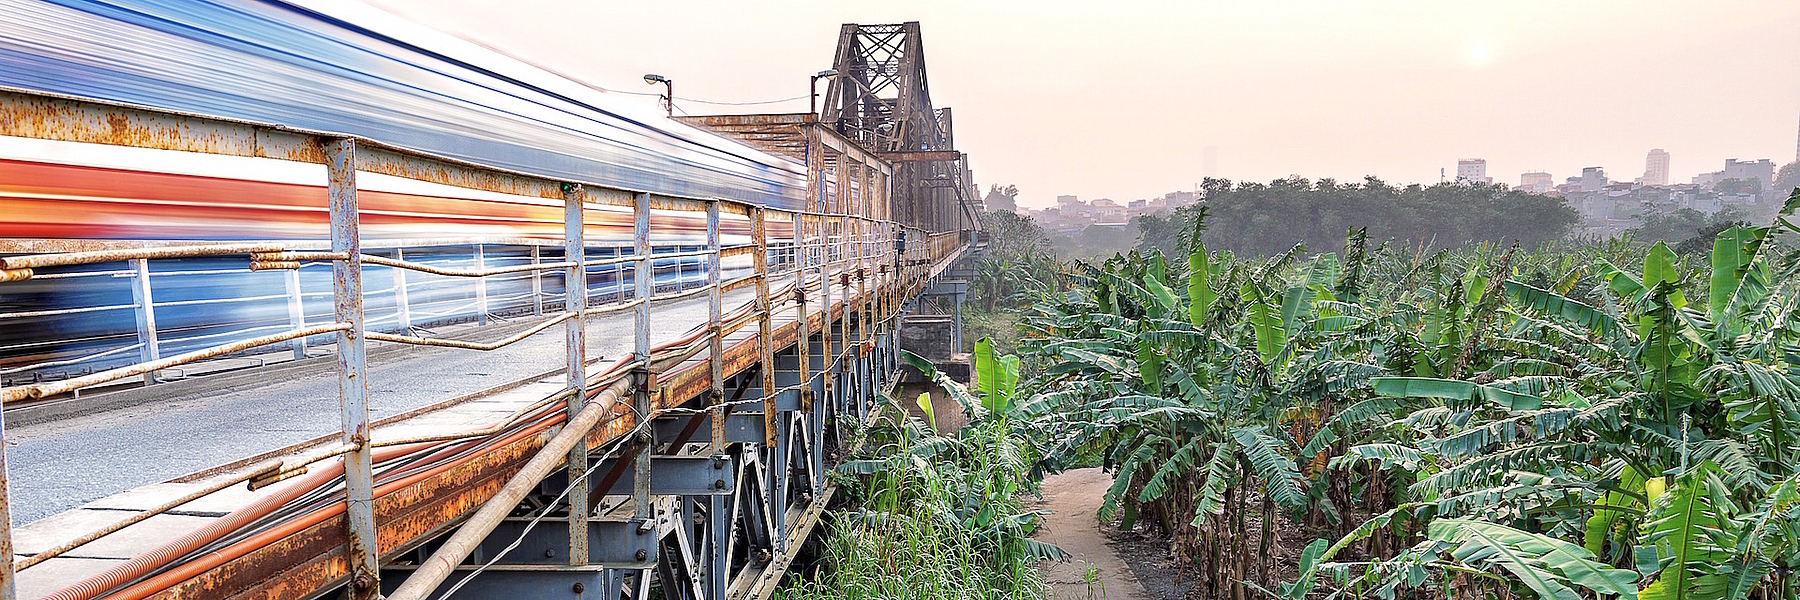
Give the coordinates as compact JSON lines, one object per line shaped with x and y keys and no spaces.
{"x":1480,"y":55}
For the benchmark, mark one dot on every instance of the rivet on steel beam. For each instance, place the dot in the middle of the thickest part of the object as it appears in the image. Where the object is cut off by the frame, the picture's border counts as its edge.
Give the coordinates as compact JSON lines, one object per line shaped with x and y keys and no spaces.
{"x":642,"y":555}
{"x":718,"y":484}
{"x":578,"y":587}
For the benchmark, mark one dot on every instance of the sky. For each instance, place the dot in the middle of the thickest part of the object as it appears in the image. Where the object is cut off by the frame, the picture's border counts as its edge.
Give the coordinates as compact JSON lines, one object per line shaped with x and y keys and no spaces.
{"x":1122,"y":99}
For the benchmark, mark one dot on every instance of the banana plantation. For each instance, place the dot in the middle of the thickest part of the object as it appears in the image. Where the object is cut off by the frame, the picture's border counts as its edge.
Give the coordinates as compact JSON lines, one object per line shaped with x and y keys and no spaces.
{"x":1596,"y":421}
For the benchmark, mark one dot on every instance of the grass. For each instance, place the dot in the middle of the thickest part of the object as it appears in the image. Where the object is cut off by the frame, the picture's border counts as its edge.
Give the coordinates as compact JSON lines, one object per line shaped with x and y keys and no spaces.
{"x":931,"y":516}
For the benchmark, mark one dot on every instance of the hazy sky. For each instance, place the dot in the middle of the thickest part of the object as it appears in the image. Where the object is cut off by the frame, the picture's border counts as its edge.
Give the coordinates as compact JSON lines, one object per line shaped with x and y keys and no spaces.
{"x":1120,"y":99}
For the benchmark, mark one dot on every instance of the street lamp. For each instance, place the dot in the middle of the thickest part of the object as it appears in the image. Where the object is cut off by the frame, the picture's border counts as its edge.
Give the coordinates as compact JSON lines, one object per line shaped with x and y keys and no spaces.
{"x":812,"y":103}
{"x":669,"y":90}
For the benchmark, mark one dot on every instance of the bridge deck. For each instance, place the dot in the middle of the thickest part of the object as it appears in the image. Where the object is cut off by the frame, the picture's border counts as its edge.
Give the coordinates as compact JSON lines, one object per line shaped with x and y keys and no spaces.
{"x":75,"y":476}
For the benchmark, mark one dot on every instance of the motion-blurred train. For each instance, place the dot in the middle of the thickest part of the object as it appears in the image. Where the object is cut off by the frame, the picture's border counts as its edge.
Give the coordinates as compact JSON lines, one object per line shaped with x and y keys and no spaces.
{"x":326,"y":66}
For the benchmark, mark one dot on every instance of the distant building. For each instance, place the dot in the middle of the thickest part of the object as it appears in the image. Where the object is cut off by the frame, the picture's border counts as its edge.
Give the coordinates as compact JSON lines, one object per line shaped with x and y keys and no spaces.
{"x":1062,"y":201}
{"x":1537,"y":182}
{"x":1107,"y":211}
{"x":1762,"y":170}
{"x":1656,"y":168}
{"x":1473,"y":170}
{"x":1593,"y":179}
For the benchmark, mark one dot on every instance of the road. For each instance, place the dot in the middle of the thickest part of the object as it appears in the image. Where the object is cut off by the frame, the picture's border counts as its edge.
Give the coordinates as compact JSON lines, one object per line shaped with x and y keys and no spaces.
{"x":196,"y":424}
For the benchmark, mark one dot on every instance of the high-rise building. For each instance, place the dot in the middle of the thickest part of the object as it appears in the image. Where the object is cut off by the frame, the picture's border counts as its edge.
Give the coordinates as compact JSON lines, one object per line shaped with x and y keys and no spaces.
{"x":1656,"y":168}
{"x":1473,"y":170}
{"x":1537,"y":182}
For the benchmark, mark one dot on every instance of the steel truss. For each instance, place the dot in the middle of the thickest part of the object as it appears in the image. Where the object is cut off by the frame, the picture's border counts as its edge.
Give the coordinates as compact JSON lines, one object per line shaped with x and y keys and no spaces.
{"x":673,"y":483}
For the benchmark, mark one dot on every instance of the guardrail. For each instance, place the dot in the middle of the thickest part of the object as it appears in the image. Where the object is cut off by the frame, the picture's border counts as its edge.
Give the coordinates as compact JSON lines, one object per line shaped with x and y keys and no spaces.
{"x":823,"y":245}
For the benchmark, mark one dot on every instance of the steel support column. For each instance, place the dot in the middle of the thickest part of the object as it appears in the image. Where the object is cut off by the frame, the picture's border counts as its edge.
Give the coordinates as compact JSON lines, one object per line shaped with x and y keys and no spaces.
{"x":353,"y":385}
{"x":8,"y":586}
{"x":575,"y":354}
{"x":644,"y":276}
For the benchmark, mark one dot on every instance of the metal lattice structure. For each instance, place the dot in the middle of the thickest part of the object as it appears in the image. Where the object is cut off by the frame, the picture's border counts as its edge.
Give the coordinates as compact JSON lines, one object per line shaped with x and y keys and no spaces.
{"x":881,"y":99}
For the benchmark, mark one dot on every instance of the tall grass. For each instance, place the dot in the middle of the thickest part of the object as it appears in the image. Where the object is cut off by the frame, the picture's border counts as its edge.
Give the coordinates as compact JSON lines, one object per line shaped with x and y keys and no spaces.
{"x":931,"y":516}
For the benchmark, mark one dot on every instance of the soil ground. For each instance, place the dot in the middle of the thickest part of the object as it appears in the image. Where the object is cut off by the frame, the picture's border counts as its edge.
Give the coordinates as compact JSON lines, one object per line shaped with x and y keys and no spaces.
{"x":1094,"y":568}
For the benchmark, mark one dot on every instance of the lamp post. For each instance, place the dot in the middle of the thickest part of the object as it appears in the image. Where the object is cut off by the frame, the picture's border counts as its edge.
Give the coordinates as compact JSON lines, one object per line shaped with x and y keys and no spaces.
{"x":812,"y":104}
{"x":668,"y":90}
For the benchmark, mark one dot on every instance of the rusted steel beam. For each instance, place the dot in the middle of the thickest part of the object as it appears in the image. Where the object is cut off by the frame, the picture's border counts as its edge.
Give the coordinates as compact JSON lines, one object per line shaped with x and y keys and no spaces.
{"x":353,"y":380}
{"x":443,"y":561}
{"x":8,"y":577}
{"x":923,"y":156}
{"x":765,"y":351}
{"x":575,"y":353}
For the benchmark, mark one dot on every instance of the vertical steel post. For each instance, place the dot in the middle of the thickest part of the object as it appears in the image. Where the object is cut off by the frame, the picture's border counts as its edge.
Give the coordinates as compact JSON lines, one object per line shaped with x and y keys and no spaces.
{"x":802,"y":320}
{"x":765,"y":351}
{"x":644,"y":276}
{"x":146,"y":315}
{"x":575,"y":353}
{"x":481,"y":303}
{"x":715,"y":312}
{"x":8,"y":589}
{"x":717,"y":562}
{"x":353,"y":385}
{"x":400,"y":303}
{"x":296,"y":312}
{"x":537,"y":281}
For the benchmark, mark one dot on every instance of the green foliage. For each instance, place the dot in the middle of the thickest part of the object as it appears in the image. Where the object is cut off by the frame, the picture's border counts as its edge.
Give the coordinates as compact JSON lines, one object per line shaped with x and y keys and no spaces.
{"x":932,"y":515}
{"x":1541,"y":423}
{"x":1268,"y":218}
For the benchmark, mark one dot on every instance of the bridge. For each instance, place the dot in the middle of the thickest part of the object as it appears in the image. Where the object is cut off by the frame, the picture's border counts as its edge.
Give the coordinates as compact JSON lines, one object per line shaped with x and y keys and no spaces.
{"x":171,"y":360}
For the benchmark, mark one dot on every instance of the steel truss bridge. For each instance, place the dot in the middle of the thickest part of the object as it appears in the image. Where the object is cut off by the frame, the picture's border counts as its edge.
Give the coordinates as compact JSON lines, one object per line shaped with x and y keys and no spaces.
{"x":689,"y":468}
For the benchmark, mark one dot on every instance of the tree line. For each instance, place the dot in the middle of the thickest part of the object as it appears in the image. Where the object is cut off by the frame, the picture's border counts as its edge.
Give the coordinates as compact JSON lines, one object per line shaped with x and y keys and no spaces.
{"x":1269,"y":218}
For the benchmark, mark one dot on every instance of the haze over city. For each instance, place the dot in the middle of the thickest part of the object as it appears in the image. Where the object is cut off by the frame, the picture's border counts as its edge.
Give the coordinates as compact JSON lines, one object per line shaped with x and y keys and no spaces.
{"x":1066,"y":98}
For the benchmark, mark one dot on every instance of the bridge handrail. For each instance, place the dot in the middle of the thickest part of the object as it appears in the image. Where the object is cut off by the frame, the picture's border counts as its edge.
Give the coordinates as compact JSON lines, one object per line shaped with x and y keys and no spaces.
{"x":835,"y":241}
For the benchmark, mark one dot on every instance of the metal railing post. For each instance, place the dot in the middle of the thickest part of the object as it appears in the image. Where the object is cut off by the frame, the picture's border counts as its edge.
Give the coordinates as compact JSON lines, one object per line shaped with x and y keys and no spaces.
{"x":400,"y":302}
{"x":575,"y":351}
{"x":715,"y":312}
{"x":146,"y":315}
{"x":802,"y":320}
{"x":645,"y":278}
{"x":537,"y":282}
{"x":353,"y":385}
{"x":296,"y":312}
{"x":717,"y":563}
{"x":481,"y":303}
{"x":8,"y":589}
{"x":765,"y":351}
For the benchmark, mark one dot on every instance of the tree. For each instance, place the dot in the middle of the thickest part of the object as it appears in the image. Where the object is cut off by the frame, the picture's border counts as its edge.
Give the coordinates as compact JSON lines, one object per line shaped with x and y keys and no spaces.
{"x":1269,"y":218}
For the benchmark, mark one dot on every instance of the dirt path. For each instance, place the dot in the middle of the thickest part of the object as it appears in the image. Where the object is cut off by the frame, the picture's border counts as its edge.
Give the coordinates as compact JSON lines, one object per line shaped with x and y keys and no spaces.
{"x":1094,"y":569}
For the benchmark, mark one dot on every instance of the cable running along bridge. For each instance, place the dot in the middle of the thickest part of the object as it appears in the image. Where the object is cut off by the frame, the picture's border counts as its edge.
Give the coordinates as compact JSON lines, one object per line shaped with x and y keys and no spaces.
{"x":317,"y":197}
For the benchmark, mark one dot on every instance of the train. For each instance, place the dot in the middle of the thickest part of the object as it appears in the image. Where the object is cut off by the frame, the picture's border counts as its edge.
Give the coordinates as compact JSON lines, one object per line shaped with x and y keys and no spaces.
{"x":333,"y":67}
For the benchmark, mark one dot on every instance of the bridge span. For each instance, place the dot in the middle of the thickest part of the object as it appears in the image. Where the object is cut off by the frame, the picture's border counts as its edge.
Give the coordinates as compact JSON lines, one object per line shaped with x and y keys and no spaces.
{"x":715,"y":353}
